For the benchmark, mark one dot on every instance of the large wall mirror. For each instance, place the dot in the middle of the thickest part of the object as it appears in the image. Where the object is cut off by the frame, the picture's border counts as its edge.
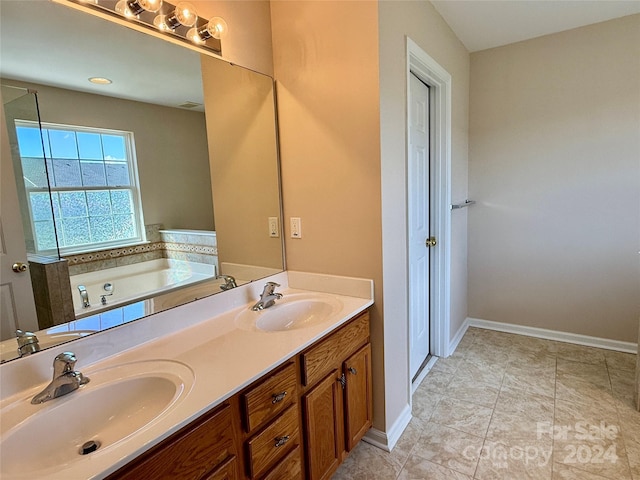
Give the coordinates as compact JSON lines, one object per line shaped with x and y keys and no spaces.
{"x":180,"y":141}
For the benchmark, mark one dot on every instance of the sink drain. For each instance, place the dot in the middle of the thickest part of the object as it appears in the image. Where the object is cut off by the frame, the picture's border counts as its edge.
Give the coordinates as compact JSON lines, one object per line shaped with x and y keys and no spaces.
{"x":88,"y":447}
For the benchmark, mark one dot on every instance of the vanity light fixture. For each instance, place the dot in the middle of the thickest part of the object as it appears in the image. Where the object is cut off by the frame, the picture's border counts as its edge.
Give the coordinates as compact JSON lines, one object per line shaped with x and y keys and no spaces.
{"x":180,"y":20}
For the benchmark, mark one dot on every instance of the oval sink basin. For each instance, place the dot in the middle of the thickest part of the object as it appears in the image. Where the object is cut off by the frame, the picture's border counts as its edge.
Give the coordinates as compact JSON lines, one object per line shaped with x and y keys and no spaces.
{"x":291,"y":312}
{"x":117,"y":403}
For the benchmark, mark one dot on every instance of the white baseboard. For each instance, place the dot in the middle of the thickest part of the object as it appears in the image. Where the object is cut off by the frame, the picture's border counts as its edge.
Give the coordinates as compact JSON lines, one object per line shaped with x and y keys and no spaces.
{"x":567,"y":337}
{"x":386,"y":441}
{"x":423,"y":374}
{"x":458,"y":336}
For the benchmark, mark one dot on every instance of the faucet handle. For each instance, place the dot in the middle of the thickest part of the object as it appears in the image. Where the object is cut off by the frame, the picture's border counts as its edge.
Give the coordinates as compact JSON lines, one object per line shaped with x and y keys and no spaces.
{"x":270,"y":287}
{"x":64,"y":363}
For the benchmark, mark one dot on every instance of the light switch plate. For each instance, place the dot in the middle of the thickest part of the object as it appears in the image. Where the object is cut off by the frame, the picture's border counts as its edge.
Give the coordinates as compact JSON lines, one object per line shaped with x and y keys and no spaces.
{"x":274,"y":231}
{"x":296,"y":227}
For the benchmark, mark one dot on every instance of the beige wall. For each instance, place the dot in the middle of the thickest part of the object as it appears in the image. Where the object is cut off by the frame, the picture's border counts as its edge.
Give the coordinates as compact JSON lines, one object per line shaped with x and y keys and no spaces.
{"x":241,"y":129}
{"x":248,"y":42}
{"x":172,"y":155}
{"x":554,"y":166}
{"x":326,"y":69}
{"x":420,"y":22}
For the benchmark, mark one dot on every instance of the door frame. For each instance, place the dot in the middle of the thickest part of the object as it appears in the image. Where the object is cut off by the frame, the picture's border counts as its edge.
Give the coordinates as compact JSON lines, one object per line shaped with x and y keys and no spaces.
{"x":438,"y":79}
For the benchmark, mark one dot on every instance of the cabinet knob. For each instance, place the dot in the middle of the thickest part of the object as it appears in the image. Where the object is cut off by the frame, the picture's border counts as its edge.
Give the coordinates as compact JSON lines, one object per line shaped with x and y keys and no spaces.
{"x":278,"y":397}
{"x":352,"y":371}
{"x":343,"y":381}
{"x":280,"y":441}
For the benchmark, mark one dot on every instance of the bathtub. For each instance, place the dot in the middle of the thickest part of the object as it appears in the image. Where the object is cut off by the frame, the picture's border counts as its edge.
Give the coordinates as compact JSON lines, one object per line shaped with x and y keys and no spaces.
{"x":138,"y":281}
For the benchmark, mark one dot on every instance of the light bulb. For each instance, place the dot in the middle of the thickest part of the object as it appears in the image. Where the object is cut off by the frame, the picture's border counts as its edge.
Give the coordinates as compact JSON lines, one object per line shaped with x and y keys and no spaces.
{"x":184,"y":14}
{"x":195,"y":37}
{"x":215,"y":28}
{"x":139,"y":6}
{"x":123,"y":9}
{"x":160,"y":22}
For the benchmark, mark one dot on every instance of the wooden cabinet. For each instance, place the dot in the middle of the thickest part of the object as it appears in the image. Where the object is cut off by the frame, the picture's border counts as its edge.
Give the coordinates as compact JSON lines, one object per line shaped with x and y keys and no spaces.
{"x":338,"y":408}
{"x":196,"y":452}
{"x":289,"y":468}
{"x":316,"y":406}
{"x":358,"y":396}
{"x":323,"y":429}
{"x":228,"y":470}
{"x":270,"y":444}
{"x":270,"y":396}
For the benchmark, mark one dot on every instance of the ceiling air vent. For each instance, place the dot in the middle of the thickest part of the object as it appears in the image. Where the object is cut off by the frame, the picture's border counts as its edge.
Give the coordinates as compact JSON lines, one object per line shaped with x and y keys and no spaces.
{"x":190,"y":105}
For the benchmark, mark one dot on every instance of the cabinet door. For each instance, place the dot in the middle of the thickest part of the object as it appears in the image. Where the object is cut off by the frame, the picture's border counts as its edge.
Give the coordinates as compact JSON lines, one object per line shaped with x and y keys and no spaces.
{"x":323,"y":428}
{"x":226,"y":471}
{"x":188,"y":454}
{"x":358,"y":396}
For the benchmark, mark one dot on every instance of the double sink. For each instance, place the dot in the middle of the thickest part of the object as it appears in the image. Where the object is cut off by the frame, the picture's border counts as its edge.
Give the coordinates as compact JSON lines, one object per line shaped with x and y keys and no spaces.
{"x":125,"y":400}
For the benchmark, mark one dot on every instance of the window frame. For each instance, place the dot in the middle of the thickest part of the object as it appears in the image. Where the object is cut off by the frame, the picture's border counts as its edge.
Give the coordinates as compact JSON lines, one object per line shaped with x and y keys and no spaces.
{"x":133,"y":188}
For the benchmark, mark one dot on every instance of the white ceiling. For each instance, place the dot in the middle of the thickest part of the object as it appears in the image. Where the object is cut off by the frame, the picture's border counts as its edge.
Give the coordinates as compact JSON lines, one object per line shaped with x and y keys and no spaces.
{"x":482,"y":24}
{"x":46,"y":43}
{"x":50,"y":44}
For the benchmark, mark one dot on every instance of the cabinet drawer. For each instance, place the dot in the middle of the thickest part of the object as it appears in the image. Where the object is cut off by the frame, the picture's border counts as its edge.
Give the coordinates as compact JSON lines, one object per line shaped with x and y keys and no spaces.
{"x":188,"y":454}
{"x":266,"y":447}
{"x":269,"y":397}
{"x":289,"y":468}
{"x":324,"y":357}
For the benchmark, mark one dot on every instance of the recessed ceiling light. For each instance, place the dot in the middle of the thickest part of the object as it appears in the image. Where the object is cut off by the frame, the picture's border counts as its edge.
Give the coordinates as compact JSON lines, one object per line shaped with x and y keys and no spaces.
{"x":100,"y":80}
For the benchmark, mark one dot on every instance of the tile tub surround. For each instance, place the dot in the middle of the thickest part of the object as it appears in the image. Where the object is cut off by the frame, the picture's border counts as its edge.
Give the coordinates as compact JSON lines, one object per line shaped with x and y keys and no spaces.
{"x":511,"y":407}
{"x":202,"y":335}
{"x":52,"y":295}
{"x":191,"y":245}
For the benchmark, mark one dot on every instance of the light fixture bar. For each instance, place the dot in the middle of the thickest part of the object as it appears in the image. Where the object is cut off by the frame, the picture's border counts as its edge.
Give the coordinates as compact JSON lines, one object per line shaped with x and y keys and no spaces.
{"x":176,"y":20}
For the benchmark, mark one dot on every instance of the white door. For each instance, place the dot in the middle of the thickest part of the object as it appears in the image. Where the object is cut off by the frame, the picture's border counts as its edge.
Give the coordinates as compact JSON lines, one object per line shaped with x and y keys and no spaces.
{"x":17,"y":306}
{"x":418,"y":224}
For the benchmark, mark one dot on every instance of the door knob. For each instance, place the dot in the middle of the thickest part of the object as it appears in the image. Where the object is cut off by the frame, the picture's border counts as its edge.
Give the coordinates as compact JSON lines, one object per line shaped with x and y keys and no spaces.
{"x":19,"y":267}
{"x":431,"y":242}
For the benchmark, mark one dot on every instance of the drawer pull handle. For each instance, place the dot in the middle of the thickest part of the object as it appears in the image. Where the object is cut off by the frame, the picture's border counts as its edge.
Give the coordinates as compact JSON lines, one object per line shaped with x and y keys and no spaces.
{"x":353,"y":371}
{"x":278,"y":397}
{"x":280,"y":441}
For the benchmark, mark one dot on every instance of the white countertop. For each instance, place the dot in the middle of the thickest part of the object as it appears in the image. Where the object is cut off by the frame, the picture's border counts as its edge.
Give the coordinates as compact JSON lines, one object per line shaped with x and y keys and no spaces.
{"x":205,"y":336}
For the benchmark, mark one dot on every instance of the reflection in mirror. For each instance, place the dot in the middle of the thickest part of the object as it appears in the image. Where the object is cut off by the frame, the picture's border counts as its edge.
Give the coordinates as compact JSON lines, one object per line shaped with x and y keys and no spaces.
{"x":142,"y":156}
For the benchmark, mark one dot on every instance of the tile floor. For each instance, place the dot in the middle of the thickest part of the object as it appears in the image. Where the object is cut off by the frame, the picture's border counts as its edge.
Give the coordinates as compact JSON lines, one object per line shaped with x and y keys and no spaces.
{"x":506,"y":406}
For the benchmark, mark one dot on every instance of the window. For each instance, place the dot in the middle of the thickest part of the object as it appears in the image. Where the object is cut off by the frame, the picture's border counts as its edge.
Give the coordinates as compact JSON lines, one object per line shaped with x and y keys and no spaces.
{"x":93,"y":179}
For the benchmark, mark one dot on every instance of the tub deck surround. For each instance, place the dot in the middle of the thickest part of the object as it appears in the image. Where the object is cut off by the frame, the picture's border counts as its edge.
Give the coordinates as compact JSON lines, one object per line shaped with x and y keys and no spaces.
{"x":136,"y":282}
{"x":204,"y":336}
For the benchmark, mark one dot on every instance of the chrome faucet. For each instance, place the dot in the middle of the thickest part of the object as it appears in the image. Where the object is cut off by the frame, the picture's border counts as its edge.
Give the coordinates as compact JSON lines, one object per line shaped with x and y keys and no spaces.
{"x":65,"y":379}
{"x":27,"y":343}
{"x":229,"y":282}
{"x":84,"y":295}
{"x":107,"y":287}
{"x":268,"y":297}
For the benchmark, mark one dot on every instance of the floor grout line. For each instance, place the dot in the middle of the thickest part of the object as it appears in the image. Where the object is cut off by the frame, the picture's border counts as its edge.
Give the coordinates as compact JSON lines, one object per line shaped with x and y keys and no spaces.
{"x":519,"y":360}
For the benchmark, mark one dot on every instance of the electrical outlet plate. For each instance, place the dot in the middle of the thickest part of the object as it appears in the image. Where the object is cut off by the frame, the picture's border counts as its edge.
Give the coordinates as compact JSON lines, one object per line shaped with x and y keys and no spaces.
{"x":274,"y":231}
{"x":296,"y":227}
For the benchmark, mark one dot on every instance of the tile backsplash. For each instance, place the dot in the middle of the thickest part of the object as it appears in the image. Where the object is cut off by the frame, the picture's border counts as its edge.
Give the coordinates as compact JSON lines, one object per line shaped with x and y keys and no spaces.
{"x":191,"y":245}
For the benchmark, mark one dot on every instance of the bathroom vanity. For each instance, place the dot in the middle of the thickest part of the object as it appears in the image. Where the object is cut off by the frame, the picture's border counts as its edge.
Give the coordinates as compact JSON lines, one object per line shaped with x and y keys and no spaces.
{"x":316,"y":405}
{"x":208,"y":390}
